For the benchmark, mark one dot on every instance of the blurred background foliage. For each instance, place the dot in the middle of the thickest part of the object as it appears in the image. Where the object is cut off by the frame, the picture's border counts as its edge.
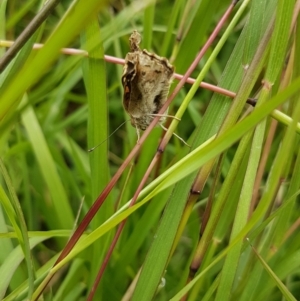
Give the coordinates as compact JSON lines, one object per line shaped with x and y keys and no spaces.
{"x":55,"y":106}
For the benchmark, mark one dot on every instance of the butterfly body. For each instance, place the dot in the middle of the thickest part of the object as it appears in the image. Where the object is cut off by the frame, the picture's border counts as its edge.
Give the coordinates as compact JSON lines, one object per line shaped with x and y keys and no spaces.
{"x":146,"y":81}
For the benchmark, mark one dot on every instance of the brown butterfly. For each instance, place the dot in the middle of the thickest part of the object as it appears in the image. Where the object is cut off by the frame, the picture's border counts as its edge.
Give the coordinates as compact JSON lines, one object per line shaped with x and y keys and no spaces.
{"x":146,"y":81}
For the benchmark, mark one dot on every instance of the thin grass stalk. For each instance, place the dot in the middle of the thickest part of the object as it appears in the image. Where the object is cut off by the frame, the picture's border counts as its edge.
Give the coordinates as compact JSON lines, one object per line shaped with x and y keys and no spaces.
{"x":28,"y":32}
{"x":63,"y":34}
{"x":22,"y":230}
{"x":203,"y":174}
{"x":219,"y":205}
{"x":276,"y":114}
{"x":190,"y":70}
{"x":198,"y":185}
{"x":283,"y":220}
{"x":98,"y":203}
{"x":275,"y":240}
{"x":280,"y":284}
{"x":267,"y":147}
{"x":209,"y":151}
{"x":106,"y":191}
{"x":261,"y":209}
{"x":243,"y":210}
{"x":18,"y":221}
{"x":161,"y":147}
{"x":189,"y":205}
{"x":266,"y":245}
{"x":243,"y":233}
{"x":261,"y":167}
{"x":116,"y":218}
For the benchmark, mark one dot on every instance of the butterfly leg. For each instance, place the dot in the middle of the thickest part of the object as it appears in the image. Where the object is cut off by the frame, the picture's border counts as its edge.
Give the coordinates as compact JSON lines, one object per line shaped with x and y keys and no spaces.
{"x":164,"y":128}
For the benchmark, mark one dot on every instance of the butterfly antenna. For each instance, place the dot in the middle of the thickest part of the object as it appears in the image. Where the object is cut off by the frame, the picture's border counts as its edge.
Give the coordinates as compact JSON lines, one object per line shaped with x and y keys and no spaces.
{"x":93,"y":148}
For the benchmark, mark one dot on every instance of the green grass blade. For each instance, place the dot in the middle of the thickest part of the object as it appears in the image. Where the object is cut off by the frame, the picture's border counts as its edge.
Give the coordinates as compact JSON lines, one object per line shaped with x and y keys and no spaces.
{"x":59,"y":199}
{"x":35,"y":67}
{"x":20,"y":228}
{"x":94,"y":73}
{"x":280,"y":285}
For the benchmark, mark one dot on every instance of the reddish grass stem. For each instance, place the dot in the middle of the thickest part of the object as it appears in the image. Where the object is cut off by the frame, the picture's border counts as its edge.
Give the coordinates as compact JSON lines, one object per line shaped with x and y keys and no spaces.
{"x":162,"y":145}
{"x":101,"y":198}
{"x":115,"y":60}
